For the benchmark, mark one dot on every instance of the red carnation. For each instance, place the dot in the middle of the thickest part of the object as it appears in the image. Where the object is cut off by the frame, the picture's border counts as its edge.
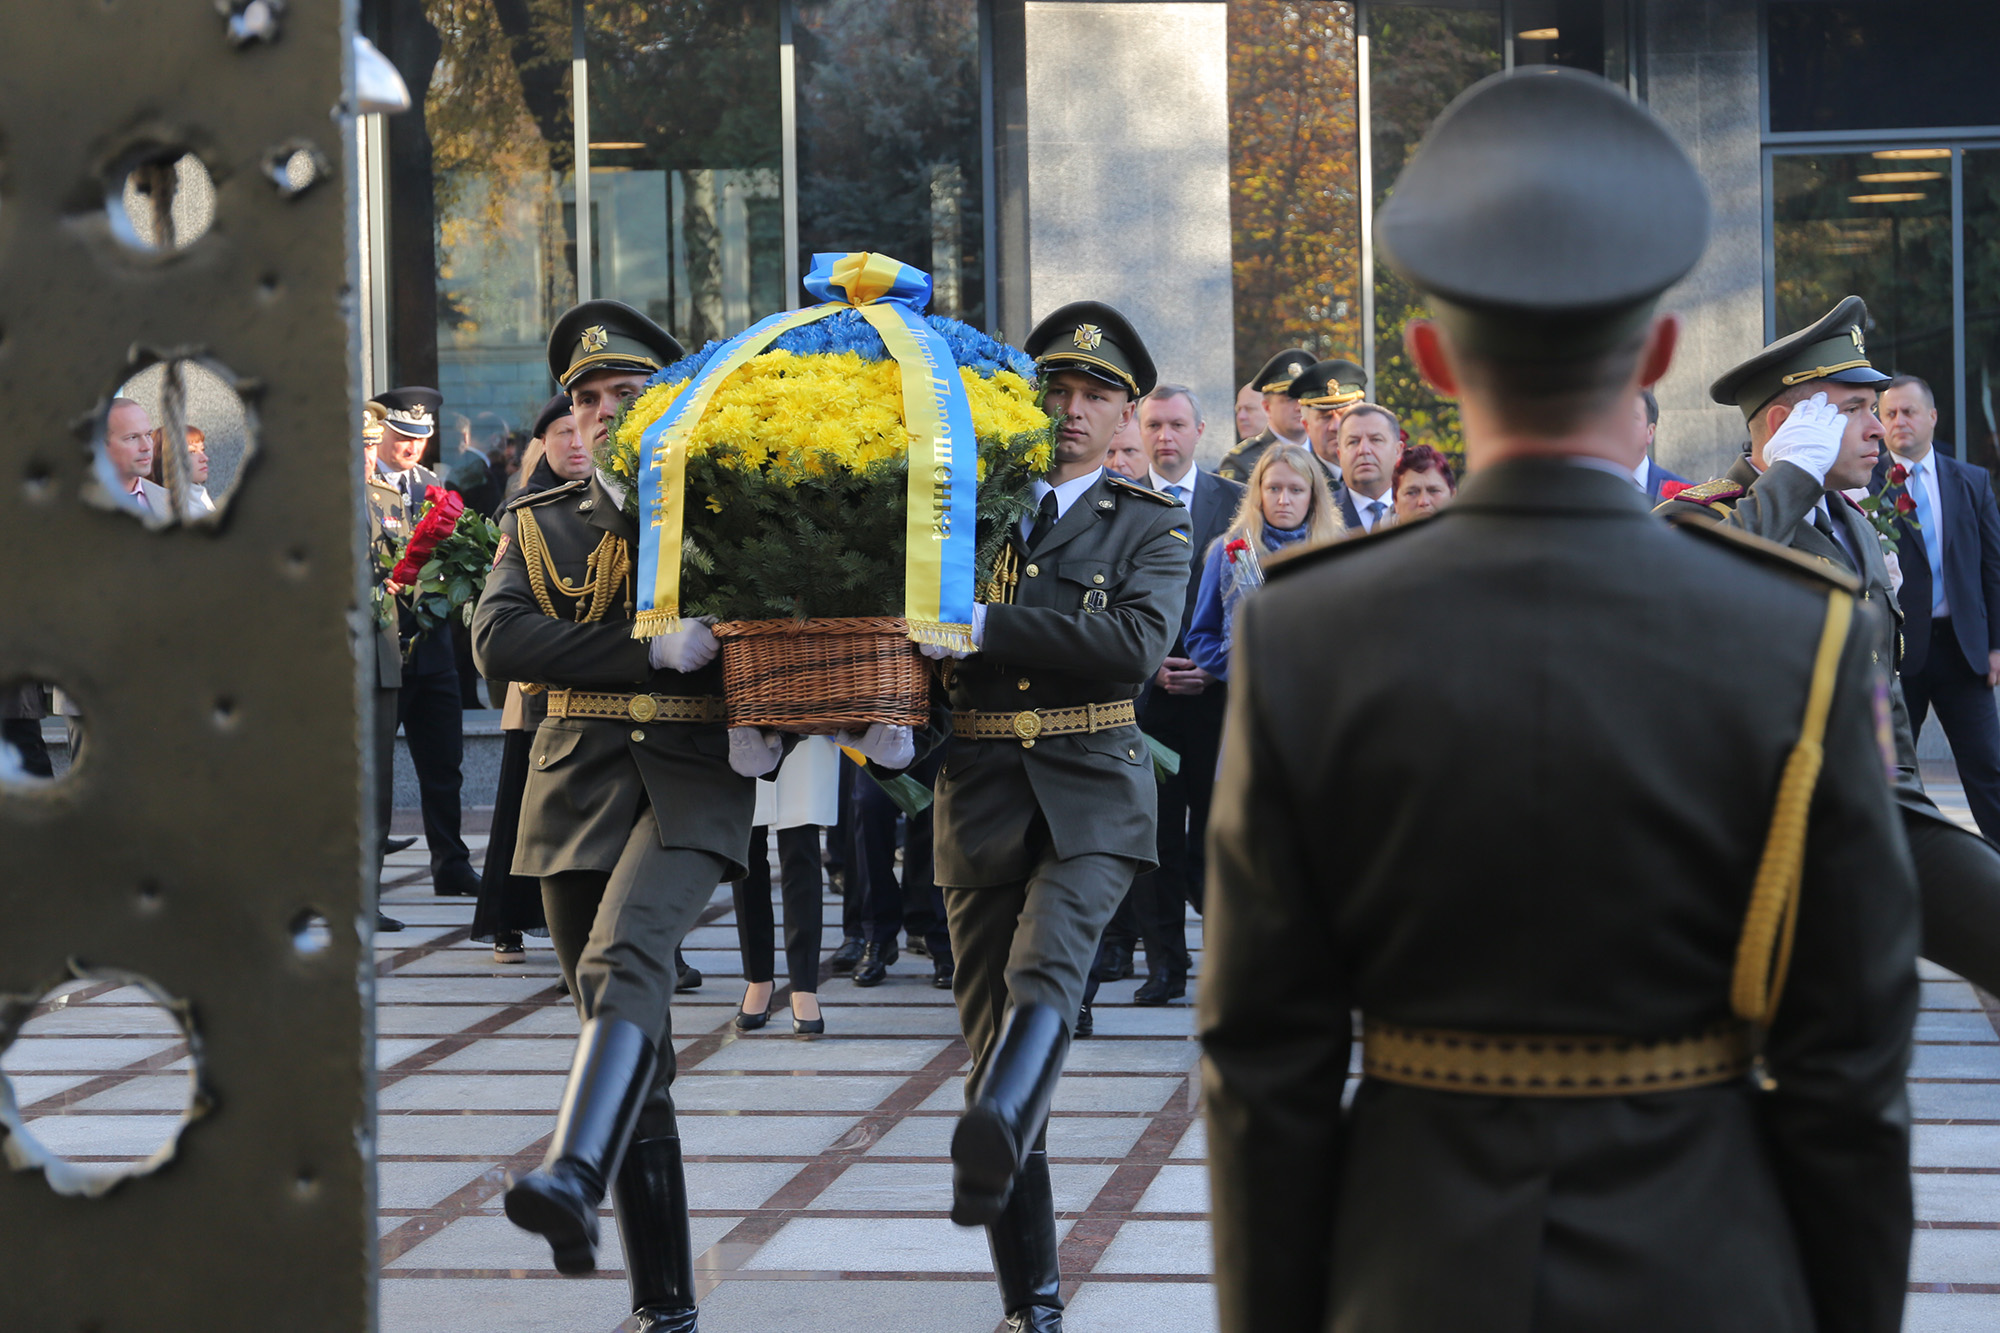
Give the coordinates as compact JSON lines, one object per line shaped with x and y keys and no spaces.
{"x":1232,"y":548}
{"x":1898,"y":475}
{"x":1905,"y":505}
{"x":1669,"y":489}
{"x":441,"y":514}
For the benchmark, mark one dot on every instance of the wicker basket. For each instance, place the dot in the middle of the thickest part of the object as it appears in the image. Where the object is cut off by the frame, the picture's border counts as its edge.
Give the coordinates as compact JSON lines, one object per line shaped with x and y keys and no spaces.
{"x":816,"y":677}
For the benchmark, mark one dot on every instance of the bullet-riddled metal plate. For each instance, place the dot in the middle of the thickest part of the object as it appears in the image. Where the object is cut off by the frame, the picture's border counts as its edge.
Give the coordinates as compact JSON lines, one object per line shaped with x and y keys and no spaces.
{"x":213,"y":667}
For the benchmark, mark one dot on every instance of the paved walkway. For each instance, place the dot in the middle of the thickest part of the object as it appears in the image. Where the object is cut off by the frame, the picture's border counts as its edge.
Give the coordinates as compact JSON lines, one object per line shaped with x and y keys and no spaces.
{"x":819,"y":1166}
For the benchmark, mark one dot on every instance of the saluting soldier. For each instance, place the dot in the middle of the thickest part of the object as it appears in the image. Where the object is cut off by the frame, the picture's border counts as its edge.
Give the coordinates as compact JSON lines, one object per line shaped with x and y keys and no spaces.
{"x":1564,"y":994}
{"x":631,"y":816}
{"x":1809,"y":403}
{"x":1281,"y":414}
{"x":1046,"y":803}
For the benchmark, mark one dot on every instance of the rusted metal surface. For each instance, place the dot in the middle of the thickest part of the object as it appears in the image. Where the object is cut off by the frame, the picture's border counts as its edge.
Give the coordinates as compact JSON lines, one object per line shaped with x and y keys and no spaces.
{"x":220,"y":797}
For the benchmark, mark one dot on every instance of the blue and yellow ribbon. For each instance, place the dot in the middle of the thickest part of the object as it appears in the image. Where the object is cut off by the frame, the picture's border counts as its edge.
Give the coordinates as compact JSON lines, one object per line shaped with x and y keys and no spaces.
{"x":943,"y":461}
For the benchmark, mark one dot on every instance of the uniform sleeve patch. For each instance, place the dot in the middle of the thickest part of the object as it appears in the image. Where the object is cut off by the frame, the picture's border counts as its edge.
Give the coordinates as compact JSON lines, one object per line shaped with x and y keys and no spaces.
{"x":500,"y":551}
{"x":1182,"y":535}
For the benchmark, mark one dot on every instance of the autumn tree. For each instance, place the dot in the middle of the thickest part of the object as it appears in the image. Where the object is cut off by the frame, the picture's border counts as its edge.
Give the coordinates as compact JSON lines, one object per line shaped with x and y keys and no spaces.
{"x":1295,"y":217}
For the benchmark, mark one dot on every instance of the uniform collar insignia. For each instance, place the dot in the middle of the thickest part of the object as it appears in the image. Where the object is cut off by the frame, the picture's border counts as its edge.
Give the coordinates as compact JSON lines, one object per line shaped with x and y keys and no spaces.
{"x":1088,"y":337}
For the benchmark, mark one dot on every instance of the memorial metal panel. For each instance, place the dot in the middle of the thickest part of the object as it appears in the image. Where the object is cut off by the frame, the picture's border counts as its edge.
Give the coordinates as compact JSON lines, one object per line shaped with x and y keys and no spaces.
{"x":211,"y":838}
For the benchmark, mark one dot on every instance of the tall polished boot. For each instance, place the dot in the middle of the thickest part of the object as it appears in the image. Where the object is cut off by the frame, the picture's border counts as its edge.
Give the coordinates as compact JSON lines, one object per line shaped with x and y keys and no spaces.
{"x":651,"y":1199}
{"x":1023,"y":1242}
{"x":1007,"y":1113}
{"x":608,"y":1082}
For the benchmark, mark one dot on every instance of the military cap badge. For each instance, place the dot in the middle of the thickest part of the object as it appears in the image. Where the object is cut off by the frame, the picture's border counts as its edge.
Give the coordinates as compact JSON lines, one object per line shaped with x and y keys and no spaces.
{"x":594,"y":339}
{"x":1088,"y":337}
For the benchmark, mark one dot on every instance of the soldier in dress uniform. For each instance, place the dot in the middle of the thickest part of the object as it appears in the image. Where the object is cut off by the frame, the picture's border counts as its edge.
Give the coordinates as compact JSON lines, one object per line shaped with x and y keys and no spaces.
{"x":1809,"y":403}
{"x":631,"y":816}
{"x":1046,"y":803}
{"x":1583,"y":1105}
{"x":387,"y":531}
{"x":1324,"y":391}
{"x":1280,"y":411}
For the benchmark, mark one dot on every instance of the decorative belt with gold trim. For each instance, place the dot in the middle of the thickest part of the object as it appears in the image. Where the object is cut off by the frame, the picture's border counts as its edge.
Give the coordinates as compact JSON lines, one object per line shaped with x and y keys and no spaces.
{"x":1030,"y":724}
{"x":1549,"y":1065}
{"x":636,"y":707}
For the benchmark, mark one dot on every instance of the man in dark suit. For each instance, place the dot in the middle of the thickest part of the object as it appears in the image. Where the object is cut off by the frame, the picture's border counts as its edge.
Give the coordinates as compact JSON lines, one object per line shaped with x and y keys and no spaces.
{"x":1647,"y":475}
{"x":1370,"y":440}
{"x":1566,"y":984}
{"x":428,"y":704}
{"x":1950,"y":595}
{"x":1183,"y":705}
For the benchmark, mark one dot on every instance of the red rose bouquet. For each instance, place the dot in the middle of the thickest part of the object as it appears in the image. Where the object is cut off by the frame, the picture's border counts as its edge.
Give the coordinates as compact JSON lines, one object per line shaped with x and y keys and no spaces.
{"x":1890,"y":505}
{"x":442,"y":567}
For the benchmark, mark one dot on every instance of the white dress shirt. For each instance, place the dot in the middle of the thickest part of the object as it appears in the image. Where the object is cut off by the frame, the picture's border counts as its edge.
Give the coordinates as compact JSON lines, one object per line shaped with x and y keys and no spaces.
{"x":1642,"y":473}
{"x":1361,"y":503}
{"x":1066,"y":495}
{"x":1184,"y":489}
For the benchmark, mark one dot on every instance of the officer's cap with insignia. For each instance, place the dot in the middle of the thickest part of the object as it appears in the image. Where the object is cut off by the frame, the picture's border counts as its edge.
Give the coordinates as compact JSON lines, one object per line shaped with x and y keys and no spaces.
{"x":1543,"y":215}
{"x":371,"y":423}
{"x":552,"y":411}
{"x":410,"y":411}
{"x":1279,"y":372}
{"x":1335,"y":383}
{"x":608,"y":335}
{"x":1830,"y":348}
{"x":1092,"y":337}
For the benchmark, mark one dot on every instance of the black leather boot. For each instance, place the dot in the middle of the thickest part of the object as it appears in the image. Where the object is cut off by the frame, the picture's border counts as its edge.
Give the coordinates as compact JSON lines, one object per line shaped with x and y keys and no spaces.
{"x":608,"y":1083}
{"x":651,"y":1198}
{"x":1007,"y":1113}
{"x":1023,"y":1242}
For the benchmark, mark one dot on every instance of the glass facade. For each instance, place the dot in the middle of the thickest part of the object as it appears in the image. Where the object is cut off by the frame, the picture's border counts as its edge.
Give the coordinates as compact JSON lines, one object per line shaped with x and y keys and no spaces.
{"x":1882,"y":141}
{"x":691,"y":114}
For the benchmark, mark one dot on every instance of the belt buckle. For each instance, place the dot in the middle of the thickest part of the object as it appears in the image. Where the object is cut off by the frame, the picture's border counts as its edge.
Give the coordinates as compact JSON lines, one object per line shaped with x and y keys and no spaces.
{"x":1027,"y":726}
{"x":643,"y":708}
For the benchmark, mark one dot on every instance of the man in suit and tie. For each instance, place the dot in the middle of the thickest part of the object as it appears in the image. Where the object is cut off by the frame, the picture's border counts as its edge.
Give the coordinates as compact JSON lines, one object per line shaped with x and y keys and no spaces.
{"x":1370,"y":442}
{"x":1647,"y":475}
{"x":1950,"y":594}
{"x":1183,"y":705}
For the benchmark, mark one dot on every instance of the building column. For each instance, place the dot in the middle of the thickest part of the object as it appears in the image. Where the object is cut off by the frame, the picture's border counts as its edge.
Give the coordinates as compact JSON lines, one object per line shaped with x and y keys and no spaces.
{"x":1702,"y":79}
{"x":1123,"y":159}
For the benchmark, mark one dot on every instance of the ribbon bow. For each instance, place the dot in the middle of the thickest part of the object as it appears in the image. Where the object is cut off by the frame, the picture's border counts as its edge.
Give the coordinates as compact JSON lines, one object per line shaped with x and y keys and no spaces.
{"x":943,"y":460}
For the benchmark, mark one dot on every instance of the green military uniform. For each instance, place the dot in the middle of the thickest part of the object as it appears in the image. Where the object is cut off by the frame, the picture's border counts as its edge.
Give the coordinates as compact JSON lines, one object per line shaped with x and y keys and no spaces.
{"x":1329,"y":386}
{"x":1958,"y":872}
{"x":1275,"y":377}
{"x":1552,"y":855}
{"x":630,"y":818}
{"x":387,"y":529}
{"x":1046,"y":803}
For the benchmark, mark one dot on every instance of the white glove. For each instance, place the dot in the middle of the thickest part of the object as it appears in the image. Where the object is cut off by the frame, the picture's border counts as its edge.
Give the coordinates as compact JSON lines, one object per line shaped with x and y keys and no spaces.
{"x":1809,"y":438}
{"x":888,"y":744}
{"x":689,"y":648}
{"x":753,"y":752}
{"x":1895,"y":571}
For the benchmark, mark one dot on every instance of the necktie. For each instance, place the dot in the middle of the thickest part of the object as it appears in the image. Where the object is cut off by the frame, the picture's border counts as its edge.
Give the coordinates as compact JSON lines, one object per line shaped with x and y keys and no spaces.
{"x":1825,"y":526}
{"x":1045,"y":518}
{"x":1375,"y":511}
{"x":1930,"y":535}
{"x":1178,"y":491}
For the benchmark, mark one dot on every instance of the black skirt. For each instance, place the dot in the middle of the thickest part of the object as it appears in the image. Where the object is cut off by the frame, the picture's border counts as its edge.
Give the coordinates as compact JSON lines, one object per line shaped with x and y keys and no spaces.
{"x":508,"y":902}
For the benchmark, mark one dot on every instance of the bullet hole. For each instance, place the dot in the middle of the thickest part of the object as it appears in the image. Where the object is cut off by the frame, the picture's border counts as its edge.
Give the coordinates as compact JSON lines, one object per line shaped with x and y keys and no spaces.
{"x":310,"y":933}
{"x":37,"y":482}
{"x":159,"y":199}
{"x":171,"y":443}
{"x":41,"y":735}
{"x":224,"y":714}
{"x":295,"y":166}
{"x":100,"y":1041}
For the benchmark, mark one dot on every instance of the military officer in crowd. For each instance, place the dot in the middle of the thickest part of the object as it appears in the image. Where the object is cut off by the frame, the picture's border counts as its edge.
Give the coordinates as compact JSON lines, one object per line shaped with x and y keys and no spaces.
{"x":1324,"y":391}
{"x":387,"y":531}
{"x":428,"y":705}
{"x":1046,"y":802}
{"x":631,"y":816}
{"x":1281,"y":412}
{"x":1582,"y":1104}
{"x":1809,"y":403}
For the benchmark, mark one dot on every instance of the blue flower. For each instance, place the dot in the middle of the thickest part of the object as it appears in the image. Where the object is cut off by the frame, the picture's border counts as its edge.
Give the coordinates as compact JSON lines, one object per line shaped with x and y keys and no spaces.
{"x":847,"y":331}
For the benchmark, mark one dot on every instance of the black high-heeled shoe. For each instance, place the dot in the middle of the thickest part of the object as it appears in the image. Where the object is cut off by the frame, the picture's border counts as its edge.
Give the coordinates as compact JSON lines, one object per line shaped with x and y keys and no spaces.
{"x":808,"y":1027}
{"x":749,"y":1022}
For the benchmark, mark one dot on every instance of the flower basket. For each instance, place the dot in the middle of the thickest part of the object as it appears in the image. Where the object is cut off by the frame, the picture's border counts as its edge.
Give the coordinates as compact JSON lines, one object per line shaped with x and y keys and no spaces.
{"x":816,"y":677}
{"x":832,"y":485}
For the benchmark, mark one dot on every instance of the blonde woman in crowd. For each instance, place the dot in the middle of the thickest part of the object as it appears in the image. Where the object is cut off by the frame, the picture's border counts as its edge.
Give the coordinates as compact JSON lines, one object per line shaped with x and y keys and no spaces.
{"x":1286,"y":505}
